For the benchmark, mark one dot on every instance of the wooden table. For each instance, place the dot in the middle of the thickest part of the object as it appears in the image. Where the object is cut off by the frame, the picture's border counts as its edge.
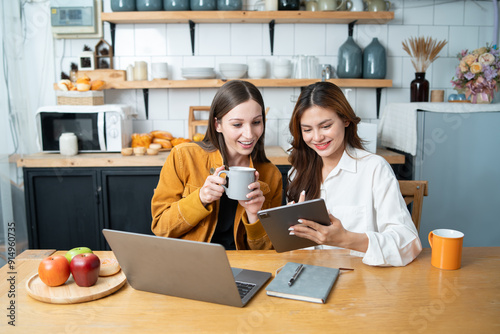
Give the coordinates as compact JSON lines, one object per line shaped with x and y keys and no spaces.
{"x":417,"y":298}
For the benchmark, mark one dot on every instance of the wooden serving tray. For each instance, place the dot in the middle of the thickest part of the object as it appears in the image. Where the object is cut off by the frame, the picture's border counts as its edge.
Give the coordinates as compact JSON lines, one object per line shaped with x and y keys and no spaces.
{"x":70,"y":293}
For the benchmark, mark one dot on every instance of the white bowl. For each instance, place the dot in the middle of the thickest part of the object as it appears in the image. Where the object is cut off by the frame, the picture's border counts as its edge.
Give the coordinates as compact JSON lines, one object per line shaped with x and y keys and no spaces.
{"x":233,"y":74}
{"x":257,"y":72}
{"x":282,"y":62}
{"x":233,"y":67}
{"x":282,"y":72}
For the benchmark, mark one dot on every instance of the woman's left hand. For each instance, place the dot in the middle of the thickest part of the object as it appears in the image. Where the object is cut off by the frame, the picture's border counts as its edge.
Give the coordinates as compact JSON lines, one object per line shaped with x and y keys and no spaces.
{"x":255,"y":200}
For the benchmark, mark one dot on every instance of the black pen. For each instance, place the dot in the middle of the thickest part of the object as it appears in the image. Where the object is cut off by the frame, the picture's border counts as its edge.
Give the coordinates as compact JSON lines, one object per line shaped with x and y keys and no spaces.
{"x":296,"y":274}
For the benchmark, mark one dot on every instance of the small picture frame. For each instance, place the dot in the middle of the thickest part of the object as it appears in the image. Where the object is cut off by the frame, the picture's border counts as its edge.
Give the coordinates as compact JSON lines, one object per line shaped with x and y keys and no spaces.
{"x":86,"y":61}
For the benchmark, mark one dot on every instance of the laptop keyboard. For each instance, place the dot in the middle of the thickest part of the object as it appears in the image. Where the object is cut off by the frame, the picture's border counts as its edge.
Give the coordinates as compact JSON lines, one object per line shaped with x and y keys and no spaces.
{"x":244,"y":288}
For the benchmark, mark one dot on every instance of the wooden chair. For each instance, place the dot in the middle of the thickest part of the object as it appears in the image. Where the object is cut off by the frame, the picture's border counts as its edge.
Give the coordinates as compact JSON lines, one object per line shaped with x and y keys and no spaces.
{"x":414,"y":191}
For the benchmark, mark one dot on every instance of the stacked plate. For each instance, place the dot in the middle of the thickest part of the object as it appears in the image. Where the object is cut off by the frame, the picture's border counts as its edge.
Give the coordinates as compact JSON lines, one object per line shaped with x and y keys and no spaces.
{"x":198,"y":72}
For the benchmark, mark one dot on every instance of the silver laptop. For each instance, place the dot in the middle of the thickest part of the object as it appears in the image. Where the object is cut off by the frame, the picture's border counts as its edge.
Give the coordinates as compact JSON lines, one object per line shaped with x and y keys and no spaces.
{"x":182,"y":268}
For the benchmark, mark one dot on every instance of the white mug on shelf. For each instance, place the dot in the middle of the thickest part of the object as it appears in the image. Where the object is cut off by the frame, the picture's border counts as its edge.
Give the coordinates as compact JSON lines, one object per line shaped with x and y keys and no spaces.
{"x":159,"y":70}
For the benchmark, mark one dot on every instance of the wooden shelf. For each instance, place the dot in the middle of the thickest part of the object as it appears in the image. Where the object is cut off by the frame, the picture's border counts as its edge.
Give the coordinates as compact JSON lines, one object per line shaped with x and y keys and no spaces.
{"x":215,"y":83}
{"x":333,"y":17}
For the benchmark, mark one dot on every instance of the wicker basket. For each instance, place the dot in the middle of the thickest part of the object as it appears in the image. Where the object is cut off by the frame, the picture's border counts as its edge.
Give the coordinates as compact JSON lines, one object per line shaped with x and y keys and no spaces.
{"x":88,"y":98}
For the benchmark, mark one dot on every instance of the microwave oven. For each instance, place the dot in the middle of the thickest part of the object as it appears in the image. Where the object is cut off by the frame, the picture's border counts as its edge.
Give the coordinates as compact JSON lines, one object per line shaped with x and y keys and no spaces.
{"x":103,"y":128}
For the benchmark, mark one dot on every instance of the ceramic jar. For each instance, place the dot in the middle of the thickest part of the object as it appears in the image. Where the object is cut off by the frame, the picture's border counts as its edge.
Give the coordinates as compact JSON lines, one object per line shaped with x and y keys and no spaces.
{"x":257,"y":68}
{"x":203,"y":4}
{"x":68,"y":144}
{"x":374,"y":61}
{"x":229,"y":4}
{"x":176,"y":5}
{"x":123,"y":5}
{"x":140,"y":70}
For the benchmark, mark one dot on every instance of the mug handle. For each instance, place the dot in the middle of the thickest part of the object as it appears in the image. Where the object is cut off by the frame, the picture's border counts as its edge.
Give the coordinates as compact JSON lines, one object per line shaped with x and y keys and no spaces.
{"x":431,"y":235}
{"x":349,"y":4}
{"x":227,"y":177}
{"x":341,"y":3}
{"x":387,"y":5}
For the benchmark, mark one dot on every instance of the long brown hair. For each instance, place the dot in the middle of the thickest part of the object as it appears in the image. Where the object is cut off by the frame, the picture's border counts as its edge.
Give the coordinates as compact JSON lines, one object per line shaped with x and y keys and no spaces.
{"x":306,"y":163}
{"x":230,"y":95}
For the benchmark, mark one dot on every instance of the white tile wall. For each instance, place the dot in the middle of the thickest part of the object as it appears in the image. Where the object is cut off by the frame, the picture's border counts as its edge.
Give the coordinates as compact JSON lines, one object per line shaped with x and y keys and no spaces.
{"x":464,"y":24}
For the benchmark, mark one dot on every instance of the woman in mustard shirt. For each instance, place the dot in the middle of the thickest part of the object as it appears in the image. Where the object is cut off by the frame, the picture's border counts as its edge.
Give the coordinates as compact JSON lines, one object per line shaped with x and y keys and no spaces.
{"x":189,"y":201}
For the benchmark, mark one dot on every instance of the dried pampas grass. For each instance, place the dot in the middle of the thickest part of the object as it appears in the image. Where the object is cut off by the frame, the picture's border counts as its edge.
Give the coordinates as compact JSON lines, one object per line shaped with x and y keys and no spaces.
{"x":423,"y":51}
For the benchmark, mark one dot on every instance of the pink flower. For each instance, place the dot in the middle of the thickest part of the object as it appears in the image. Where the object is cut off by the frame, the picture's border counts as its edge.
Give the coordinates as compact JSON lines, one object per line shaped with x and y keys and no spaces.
{"x":486,"y":59}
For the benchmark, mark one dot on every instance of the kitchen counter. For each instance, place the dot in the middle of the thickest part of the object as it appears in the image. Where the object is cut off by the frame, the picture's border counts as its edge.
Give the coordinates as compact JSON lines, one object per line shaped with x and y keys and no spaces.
{"x":43,"y":160}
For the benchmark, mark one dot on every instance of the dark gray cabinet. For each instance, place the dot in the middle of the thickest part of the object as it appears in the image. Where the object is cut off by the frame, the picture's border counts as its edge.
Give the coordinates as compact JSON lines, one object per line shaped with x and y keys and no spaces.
{"x":69,"y":207}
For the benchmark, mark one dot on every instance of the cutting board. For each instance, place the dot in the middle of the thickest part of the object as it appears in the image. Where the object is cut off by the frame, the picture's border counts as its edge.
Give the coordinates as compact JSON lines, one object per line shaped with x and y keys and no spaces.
{"x":70,"y":293}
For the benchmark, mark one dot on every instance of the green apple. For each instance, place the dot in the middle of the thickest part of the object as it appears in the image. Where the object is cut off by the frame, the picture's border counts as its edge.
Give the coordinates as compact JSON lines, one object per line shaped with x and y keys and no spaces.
{"x":75,"y":251}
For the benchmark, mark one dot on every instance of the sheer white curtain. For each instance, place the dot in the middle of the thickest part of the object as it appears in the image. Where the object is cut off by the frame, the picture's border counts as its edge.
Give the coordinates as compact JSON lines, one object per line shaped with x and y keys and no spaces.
{"x":26,"y":77}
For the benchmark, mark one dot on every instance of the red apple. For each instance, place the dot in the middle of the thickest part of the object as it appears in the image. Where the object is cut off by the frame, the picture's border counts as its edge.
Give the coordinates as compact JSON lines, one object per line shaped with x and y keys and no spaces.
{"x":85,"y":269}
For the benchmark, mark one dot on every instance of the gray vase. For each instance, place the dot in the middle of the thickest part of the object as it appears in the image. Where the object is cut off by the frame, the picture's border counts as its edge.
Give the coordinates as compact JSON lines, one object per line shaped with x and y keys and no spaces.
{"x":374,"y":61}
{"x":149,"y":5}
{"x":176,"y":5}
{"x":203,"y":4}
{"x":123,"y":5}
{"x":229,"y":4}
{"x":350,"y":63}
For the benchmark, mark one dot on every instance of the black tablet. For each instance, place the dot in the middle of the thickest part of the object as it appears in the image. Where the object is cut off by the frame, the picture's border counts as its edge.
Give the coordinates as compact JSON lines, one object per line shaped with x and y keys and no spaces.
{"x":276,"y":222}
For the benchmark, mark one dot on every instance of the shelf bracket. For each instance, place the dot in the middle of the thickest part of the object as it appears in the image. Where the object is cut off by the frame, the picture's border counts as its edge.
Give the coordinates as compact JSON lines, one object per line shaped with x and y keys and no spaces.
{"x":379,"y":94}
{"x":112,"y":30}
{"x":145,"y":92}
{"x":192,"y":26}
{"x":351,"y":27}
{"x":271,"y":35}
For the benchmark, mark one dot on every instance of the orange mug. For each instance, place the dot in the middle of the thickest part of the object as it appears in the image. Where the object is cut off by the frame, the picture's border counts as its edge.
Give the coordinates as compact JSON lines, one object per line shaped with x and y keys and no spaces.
{"x":446,"y":248}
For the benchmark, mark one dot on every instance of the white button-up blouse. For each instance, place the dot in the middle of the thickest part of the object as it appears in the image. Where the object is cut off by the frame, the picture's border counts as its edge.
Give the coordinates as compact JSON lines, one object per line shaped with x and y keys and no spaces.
{"x":363,"y":193}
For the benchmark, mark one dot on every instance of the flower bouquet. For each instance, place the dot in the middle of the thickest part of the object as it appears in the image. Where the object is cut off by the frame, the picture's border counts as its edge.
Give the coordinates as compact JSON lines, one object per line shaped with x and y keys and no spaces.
{"x":478,"y":74}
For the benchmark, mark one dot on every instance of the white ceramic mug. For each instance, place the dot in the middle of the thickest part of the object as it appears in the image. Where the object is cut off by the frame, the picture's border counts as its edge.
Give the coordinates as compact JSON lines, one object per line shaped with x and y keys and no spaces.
{"x":237,"y":181}
{"x":159,"y":70}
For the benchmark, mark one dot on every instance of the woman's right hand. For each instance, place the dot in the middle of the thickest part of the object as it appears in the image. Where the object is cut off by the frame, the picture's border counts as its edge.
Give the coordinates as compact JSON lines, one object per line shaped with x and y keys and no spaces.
{"x":212,"y":189}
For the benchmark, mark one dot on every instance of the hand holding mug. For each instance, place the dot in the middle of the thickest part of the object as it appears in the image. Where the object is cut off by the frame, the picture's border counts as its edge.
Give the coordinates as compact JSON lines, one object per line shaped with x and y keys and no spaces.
{"x":212,"y":189}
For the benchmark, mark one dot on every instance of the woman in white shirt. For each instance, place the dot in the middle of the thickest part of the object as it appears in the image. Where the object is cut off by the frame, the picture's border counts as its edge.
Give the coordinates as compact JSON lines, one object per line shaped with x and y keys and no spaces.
{"x":367,"y":211}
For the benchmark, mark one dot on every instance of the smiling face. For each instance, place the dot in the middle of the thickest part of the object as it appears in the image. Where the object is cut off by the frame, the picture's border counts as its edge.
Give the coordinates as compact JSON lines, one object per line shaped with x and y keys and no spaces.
{"x":241,"y":128}
{"x":323,"y":131}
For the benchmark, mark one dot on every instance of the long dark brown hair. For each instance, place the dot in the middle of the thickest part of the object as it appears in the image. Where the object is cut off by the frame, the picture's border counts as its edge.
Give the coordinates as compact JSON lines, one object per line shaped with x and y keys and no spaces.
{"x":230,"y":95}
{"x":306,"y":163}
